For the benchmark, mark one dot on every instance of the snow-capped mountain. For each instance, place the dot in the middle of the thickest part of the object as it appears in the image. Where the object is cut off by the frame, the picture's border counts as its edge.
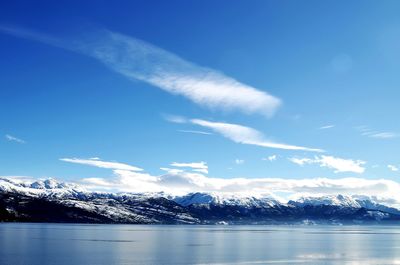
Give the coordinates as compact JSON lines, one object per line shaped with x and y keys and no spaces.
{"x":355,"y":201}
{"x":53,"y":201}
{"x":199,"y":198}
{"x":336,"y":200}
{"x":40,"y":187}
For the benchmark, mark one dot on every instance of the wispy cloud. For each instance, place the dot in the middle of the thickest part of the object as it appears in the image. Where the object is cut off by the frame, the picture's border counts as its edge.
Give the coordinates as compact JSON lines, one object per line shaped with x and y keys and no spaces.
{"x":366,"y":131}
{"x":326,"y":127}
{"x":239,"y":133}
{"x":172,"y":170}
{"x":239,"y":161}
{"x":180,"y":181}
{"x":246,"y":135}
{"x":270,"y":158}
{"x":338,"y":164}
{"x":195,"y":132}
{"x":96,"y":162}
{"x":393,"y":168}
{"x":195,"y":166}
{"x":32,"y":35}
{"x":14,"y":139}
{"x":127,"y":177}
{"x":384,"y":135}
{"x":301,"y":161}
{"x":174,"y":118}
{"x":140,"y":60}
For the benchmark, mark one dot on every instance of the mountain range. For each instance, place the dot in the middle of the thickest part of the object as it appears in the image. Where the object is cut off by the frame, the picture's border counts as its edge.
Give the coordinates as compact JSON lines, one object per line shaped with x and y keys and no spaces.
{"x":53,"y":201}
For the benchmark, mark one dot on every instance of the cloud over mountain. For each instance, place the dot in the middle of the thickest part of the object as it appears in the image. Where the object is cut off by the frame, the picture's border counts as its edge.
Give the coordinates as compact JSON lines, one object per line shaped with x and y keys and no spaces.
{"x":181,"y":181}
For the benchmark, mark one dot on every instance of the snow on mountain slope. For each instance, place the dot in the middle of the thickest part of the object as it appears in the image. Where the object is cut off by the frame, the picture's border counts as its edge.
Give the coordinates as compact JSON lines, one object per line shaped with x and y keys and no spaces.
{"x":52,"y":188}
{"x":23,"y":197}
{"x":48,"y":187}
{"x":199,"y":198}
{"x":354,"y":201}
{"x":335,"y":200}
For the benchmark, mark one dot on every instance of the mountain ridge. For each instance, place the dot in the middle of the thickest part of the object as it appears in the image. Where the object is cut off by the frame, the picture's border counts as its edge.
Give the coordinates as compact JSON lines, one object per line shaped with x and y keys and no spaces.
{"x":52,"y":201}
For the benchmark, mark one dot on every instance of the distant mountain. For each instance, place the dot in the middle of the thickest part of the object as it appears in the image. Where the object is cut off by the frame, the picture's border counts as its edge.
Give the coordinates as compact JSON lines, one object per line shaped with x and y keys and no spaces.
{"x":52,"y":201}
{"x":199,"y":198}
{"x":355,"y":201}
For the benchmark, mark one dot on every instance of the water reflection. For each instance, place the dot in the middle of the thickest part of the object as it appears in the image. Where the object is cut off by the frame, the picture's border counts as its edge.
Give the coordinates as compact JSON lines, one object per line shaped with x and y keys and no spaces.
{"x":133,"y":244}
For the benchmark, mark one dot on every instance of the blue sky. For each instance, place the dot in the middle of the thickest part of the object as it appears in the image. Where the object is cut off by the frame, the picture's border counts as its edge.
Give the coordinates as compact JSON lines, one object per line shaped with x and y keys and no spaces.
{"x":134,"y":82}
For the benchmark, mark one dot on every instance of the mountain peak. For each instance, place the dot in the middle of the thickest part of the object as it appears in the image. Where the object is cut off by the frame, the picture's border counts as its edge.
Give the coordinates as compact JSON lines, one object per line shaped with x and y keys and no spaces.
{"x":76,"y":204}
{"x":39,"y":187}
{"x":50,"y":184}
{"x":199,"y":198}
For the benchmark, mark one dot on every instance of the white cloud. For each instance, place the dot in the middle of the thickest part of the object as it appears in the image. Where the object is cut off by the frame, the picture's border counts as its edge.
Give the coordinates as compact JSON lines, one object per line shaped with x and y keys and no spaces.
{"x":139,"y":60}
{"x":172,"y":170}
{"x":195,"y":166}
{"x":195,"y":132}
{"x":393,"y":168}
{"x":239,"y":161}
{"x":179,"y":181}
{"x":327,"y":127}
{"x":238,"y":133}
{"x":20,"y":179}
{"x":246,"y":135}
{"x":301,"y":161}
{"x":342,"y":165}
{"x":270,"y":158}
{"x":338,"y":164}
{"x":96,"y":162}
{"x":14,"y":139}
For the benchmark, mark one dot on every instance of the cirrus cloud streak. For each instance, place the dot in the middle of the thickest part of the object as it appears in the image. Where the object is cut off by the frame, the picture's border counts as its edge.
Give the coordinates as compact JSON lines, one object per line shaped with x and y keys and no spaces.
{"x":246,"y":135}
{"x":139,"y":60}
{"x":96,"y":162}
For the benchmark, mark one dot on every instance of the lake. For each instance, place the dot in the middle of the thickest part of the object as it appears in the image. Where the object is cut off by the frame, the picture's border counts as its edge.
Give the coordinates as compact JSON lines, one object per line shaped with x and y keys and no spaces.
{"x":32,"y":244}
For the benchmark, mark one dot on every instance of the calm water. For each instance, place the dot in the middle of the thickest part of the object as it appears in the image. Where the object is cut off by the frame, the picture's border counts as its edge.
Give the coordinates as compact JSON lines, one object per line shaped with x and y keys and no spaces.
{"x":136,"y":244}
